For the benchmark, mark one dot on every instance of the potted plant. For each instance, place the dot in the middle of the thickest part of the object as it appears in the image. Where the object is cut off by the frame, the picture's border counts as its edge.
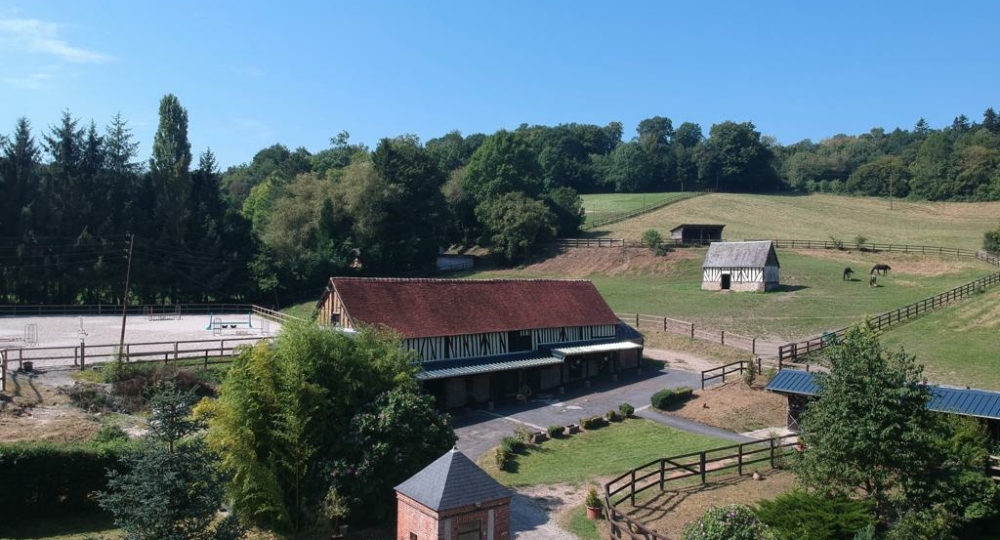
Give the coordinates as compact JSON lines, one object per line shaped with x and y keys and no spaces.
{"x":593,"y":503}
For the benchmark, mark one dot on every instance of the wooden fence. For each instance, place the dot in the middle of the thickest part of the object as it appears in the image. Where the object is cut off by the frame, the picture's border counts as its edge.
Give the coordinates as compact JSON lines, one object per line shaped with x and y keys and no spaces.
{"x":993,"y":468}
{"x":83,"y":355}
{"x":116,"y":309}
{"x":736,"y":367}
{"x":790,"y":352}
{"x":739,"y":341}
{"x":897,"y":248}
{"x":671,"y":470}
{"x":622,"y":216}
{"x":276,"y":316}
{"x":3,"y":370}
{"x":622,"y":243}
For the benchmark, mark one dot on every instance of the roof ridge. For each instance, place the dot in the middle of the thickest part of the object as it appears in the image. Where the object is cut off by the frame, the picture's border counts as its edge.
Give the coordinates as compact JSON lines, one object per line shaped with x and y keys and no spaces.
{"x":458,"y":280}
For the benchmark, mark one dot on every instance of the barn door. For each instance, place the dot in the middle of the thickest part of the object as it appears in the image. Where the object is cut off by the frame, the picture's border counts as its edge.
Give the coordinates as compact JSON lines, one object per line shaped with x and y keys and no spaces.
{"x":726,"y":280}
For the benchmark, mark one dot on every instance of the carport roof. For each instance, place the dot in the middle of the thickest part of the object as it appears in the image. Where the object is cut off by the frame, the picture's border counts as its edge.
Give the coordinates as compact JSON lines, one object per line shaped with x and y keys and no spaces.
{"x":474,"y":366}
{"x":961,"y":401}
{"x":596,"y":348}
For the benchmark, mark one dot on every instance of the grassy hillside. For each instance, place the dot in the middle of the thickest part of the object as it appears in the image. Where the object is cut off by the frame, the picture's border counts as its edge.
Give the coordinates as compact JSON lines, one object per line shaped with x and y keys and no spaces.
{"x":605,"y":203}
{"x":958,"y":345}
{"x":813,"y":297}
{"x":820,"y":216}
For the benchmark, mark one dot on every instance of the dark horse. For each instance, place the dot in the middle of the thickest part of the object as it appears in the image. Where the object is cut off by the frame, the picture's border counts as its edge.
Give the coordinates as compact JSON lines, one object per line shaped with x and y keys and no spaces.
{"x":848,"y":273}
{"x":881,"y":269}
{"x":872,"y":281}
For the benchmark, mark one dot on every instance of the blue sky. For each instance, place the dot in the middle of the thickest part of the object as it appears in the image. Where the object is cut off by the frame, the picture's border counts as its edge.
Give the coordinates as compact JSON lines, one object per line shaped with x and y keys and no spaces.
{"x":254,"y":73}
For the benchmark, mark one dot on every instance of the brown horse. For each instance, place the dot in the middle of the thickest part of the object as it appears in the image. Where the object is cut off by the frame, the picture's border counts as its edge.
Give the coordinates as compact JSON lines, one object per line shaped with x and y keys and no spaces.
{"x":882,"y":269}
{"x":848,"y":273}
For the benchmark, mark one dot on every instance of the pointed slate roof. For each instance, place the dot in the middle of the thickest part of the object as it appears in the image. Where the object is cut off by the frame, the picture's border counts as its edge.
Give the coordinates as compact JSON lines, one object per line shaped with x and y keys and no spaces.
{"x":757,"y":254}
{"x":452,"y":481}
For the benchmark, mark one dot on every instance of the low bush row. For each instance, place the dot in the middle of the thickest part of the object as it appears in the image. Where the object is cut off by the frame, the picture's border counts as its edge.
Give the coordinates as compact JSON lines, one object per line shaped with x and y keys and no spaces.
{"x":664,"y":399}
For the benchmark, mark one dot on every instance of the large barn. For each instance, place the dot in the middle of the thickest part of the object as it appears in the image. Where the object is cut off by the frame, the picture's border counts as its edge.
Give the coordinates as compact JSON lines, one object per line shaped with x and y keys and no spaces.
{"x":484,"y":340}
{"x":740,"y":266}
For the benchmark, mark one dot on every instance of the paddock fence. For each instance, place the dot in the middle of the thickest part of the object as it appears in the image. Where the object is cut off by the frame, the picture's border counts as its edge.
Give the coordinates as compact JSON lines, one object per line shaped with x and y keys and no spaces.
{"x":88,"y":355}
{"x":3,"y":370}
{"x":791,"y":352}
{"x":629,"y":214}
{"x":668,"y":472}
{"x":116,"y":309}
{"x":738,"y":367}
{"x":690,"y":329}
{"x":564,"y":243}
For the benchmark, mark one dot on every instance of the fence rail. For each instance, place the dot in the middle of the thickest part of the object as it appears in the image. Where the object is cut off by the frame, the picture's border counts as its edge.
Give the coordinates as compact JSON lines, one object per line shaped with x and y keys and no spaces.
{"x":276,"y":316}
{"x":690,"y":329}
{"x":659,"y":473}
{"x":897,"y":248}
{"x":3,"y":370}
{"x":116,"y":309}
{"x":736,"y":367}
{"x":993,"y":468}
{"x":622,"y":216}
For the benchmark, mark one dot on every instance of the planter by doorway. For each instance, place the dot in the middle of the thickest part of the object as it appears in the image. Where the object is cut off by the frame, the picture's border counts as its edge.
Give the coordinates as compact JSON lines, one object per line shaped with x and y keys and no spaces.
{"x":595,"y":513}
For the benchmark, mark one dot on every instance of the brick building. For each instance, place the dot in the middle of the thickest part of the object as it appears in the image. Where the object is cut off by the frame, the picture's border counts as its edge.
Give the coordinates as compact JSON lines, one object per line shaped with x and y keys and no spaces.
{"x":481,"y":341}
{"x":452,"y":499}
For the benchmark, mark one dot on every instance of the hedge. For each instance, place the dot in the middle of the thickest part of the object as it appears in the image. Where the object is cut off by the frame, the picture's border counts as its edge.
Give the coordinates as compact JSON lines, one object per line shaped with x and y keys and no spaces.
{"x":664,"y":399}
{"x":53,"y":479}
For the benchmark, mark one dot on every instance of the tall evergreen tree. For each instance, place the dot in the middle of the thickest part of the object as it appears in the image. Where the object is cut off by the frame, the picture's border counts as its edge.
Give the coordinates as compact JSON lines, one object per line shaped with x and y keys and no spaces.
{"x":170,"y":171}
{"x":990,"y":121}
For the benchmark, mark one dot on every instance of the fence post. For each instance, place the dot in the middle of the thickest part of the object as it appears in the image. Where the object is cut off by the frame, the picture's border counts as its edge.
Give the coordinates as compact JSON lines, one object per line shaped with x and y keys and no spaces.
{"x":3,"y":388}
{"x":771,"y":441}
{"x":739,"y":462}
{"x":664,"y":324}
{"x":701,"y":458}
{"x":83,"y":355}
{"x":637,"y":320}
{"x":692,"y":330}
{"x":632,"y":488}
{"x":206,"y":358}
{"x":663,"y":461}
{"x":722,"y":337}
{"x":753,"y":346}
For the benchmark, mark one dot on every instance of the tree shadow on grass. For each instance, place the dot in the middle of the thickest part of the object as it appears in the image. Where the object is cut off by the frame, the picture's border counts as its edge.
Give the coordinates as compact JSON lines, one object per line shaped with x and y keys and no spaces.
{"x":789,"y":288}
{"x":31,"y":528}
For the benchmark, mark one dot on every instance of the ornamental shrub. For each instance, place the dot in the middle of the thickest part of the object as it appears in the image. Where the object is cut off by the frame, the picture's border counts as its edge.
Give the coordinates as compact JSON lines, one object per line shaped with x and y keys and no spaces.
{"x":555,"y":431}
{"x":593,"y":422}
{"x":626,"y":409}
{"x":612,"y":416}
{"x":500,"y":457}
{"x":732,"y":522}
{"x":802,"y":515}
{"x":512,"y":445}
{"x":667,"y":398}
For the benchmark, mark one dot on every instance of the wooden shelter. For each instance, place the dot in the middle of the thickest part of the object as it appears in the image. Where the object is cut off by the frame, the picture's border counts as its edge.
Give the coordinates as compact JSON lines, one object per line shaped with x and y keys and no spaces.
{"x":689,"y":233}
{"x":740,"y":266}
{"x":483,"y":340}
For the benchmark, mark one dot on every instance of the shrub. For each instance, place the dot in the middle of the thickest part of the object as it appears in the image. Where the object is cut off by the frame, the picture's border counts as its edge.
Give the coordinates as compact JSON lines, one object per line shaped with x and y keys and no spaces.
{"x":612,"y":416}
{"x":798,"y":514}
{"x":991,"y":241}
{"x":860,"y":240}
{"x":667,"y":398}
{"x":92,"y":398}
{"x":837,"y":242}
{"x":626,"y":409}
{"x":109,"y":433}
{"x":555,"y":431}
{"x":522,"y":433}
{"x":593,"y":501}
{"x":733,"y":522}
{"x":512,"y":445}
{"x":55,"y":479}
{"x":500,"y":457}
{"x":750,"y":374}
{"x":933,"y":522}
{"x":653,"y":239}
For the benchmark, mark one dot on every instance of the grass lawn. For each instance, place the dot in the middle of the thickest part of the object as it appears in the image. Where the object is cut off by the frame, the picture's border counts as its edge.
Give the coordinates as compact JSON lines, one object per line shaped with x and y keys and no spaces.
{"x":302,"y":311}
{"x":608,"y":451}
{"x":820,"y":216}
{"x":958,"y":345}
{"x":813,"y":297}
{"x":578,"y":524}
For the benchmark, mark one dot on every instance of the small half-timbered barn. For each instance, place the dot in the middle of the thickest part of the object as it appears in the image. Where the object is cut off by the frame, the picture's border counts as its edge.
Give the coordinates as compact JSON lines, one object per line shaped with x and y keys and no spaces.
{"x":691,"y":233}
{"x":483,"y":340}
{"x":800,"y":387}
{"x":740,"y":266}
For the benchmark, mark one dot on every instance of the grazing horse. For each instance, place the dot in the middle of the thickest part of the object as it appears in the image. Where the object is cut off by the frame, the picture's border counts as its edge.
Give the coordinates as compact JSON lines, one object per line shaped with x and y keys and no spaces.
{"x":848,"y":273}
{"x":882,"y":269}
{"x":872,"y":281}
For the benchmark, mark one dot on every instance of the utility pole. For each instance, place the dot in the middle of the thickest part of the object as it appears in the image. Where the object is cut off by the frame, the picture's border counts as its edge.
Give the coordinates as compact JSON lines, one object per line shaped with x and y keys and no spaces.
{"x":891,"y":177}
{"x":128,"y":274}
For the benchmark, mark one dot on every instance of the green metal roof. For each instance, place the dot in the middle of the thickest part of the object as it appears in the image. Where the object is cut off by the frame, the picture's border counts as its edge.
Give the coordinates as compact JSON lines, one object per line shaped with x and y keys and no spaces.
{"x":458,"y":369}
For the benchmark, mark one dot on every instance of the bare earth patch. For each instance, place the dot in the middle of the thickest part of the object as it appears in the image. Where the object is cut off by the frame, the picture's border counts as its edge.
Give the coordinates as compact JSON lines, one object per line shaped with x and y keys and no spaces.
{"x":736,"y":407}
{"x":669,"y":512}
{"x":582,"y":262}
{"x":58,"y":423}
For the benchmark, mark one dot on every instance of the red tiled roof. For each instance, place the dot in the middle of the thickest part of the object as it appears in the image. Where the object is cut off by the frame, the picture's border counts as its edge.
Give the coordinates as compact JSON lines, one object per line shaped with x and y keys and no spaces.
{"x":449,"y":307}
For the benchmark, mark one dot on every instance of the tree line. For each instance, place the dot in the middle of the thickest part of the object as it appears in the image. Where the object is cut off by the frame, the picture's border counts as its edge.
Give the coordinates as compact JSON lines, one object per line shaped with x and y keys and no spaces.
{"x":288,"y":219}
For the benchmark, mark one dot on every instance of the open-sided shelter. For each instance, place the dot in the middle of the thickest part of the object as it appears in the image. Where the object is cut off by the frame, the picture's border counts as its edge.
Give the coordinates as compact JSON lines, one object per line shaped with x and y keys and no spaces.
{"x":691,"y":233}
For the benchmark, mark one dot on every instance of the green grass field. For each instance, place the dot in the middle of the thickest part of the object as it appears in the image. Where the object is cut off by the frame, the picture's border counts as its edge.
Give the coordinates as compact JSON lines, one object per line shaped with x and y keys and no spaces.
{"x":608,"y":451}
{"x":813,"y":297}
{"x":609,"y":203}
{"x":821,"y":216}
{"x":959,"y":345}
{"x":303,"y":310}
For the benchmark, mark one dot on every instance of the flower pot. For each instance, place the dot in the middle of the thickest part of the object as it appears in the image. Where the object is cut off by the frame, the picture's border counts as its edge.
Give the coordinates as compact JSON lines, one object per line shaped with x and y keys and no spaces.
{"x":595,"y":513}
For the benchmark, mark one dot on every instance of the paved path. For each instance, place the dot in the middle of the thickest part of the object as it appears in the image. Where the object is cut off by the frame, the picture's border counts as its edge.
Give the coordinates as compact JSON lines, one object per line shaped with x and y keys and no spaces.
{"x":691,"y":426}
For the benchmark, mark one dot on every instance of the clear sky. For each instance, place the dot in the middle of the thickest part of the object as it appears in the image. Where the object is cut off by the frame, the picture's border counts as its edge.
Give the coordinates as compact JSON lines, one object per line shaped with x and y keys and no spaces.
{"x":253,"y":73}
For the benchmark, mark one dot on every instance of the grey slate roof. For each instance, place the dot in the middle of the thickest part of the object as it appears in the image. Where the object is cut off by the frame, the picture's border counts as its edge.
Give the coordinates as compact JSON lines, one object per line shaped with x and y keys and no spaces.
{"x":961,"y":401}
{"x":756,"y":254}
{"x":452,"y":481}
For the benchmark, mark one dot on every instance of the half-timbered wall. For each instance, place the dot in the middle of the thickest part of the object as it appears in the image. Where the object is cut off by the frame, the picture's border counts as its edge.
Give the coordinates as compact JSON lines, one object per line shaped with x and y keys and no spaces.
{"x":737,"y":275}
{"x":494,"y":343}
{"x":334,"y":312}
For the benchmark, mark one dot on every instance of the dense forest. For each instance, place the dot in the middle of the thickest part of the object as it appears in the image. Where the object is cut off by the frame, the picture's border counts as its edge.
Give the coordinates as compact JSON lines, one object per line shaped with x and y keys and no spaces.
{"x":75,"y":195}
